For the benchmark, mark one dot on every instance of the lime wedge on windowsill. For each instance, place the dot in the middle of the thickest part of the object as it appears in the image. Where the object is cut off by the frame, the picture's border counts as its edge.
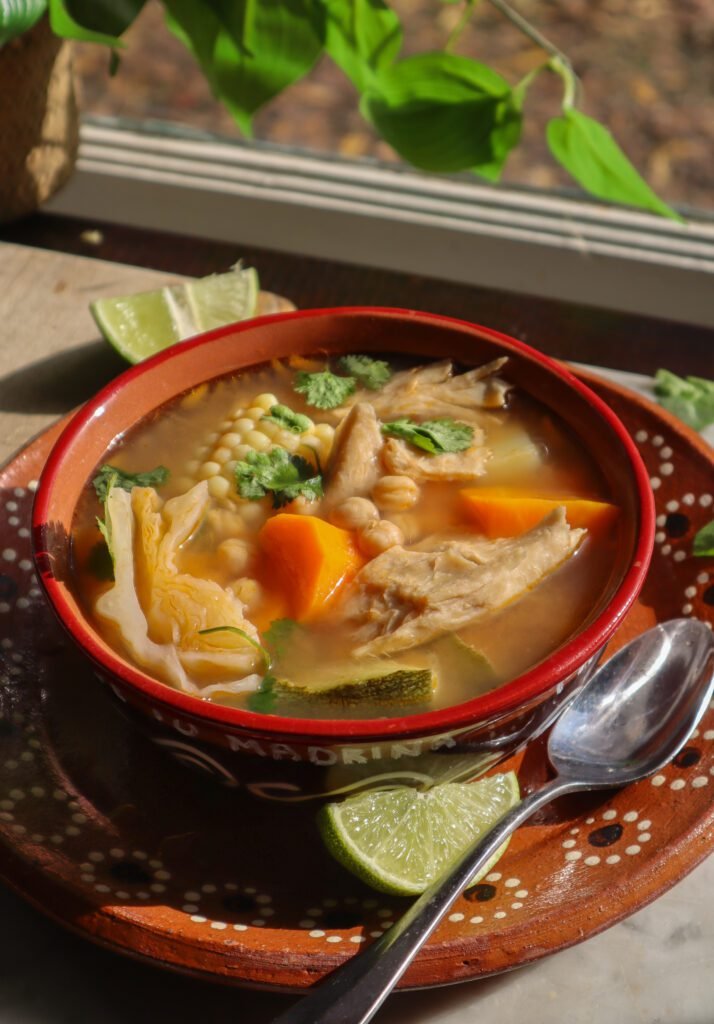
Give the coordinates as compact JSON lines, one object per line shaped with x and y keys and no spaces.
{"x":400,"y":840}
{"x":142,"y":324}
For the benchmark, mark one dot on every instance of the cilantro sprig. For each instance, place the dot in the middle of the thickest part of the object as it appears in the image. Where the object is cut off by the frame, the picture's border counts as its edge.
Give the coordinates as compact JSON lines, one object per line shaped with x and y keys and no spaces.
{"x":690,"y":398}
{"x":432,"y":436}
{"x":279,"y":473}
{"x":324,"y":389}
{"x":370,"y":373}
{"x":285,"y":417}
{"x":111,"y":476}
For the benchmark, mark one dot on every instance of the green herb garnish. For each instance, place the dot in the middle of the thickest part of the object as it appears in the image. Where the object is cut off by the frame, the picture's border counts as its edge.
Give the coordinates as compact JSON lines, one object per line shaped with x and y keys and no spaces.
{"x":240,"y":632}
{"x":370,"y":373}
{"x":703,"y":545}
{"x":277,"y":634}
{"x":278,"y":472}
{"x":324,"y":390}
{"x":689,"y":398}
{"x":285,"y":417}
{"x":263,"y":699}
{"x":112,"y":476}
{"x":433,"y":436}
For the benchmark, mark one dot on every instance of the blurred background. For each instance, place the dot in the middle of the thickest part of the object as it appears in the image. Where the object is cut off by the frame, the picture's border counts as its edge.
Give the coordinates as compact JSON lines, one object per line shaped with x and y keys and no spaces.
{"x":645,"y":65}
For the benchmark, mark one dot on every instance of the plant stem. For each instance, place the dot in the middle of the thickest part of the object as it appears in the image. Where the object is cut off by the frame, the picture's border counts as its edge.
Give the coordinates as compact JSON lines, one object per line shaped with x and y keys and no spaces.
{"x":529,"y":30}
{"x":469,"y":8}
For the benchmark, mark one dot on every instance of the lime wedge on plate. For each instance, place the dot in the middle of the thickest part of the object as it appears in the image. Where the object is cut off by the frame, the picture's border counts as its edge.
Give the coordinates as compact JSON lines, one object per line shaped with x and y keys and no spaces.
{"x":142,"y":324}
{"x":399,"y":840}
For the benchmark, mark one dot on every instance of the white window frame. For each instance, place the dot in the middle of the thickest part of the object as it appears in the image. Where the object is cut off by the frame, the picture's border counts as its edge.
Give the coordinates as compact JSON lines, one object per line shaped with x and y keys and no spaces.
{"x":525,"y":242}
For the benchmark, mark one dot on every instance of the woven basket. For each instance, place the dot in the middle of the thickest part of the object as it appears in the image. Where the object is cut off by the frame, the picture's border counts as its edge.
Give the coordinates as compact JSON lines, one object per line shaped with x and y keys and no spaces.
{"x":38,"y":120}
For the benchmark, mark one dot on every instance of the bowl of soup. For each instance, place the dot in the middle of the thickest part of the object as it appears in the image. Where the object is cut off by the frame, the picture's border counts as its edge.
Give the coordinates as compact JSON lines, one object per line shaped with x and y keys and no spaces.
{"x":343,"y":538}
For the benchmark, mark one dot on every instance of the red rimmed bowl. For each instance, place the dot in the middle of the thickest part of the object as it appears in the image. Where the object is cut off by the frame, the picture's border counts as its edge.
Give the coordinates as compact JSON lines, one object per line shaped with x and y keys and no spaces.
{"x":489,"y":727}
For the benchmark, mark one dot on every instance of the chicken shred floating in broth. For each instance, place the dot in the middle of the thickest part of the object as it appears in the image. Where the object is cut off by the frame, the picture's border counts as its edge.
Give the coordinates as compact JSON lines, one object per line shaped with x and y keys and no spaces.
{"x":336,"y":560}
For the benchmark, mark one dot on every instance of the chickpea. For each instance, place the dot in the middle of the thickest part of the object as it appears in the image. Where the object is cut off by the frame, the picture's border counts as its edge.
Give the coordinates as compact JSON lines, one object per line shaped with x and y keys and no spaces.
{"x":303,"y":506}
{"x":270,"y":429}
{"x":231,"y":439}
{"x":222,"y":455}
{"x":257,"y":439}
{"x":354,"y":514}
{"x":395,"y":493}
{"x":243,"y":425}
{"x":225,"y":523}
{"x":235,"y":555}
{"x":378,"y":536}
{"x":255,"y":413}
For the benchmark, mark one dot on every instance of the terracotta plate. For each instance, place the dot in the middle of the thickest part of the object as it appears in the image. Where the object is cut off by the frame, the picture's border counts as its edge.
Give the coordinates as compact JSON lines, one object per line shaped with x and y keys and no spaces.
{"x":103,"y":831}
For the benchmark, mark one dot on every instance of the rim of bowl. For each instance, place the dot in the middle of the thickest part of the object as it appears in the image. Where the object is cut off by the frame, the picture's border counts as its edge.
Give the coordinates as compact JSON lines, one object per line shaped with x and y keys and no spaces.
{"x":540,"y":679}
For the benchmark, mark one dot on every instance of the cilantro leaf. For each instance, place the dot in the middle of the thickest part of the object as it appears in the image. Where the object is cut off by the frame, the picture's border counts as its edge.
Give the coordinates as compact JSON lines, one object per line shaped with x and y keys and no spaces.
{"x":111,"y":476}
{"x":370,"y":373}
{"x":433,"y":436}
{"x":277,"y":635}
{"x":324,"y":390}
{"x":263,"y":699}
{"x":278,"y":472}
{"x":285,"y":417}
{"x":703,"y":546}
{"x":690,"y":398}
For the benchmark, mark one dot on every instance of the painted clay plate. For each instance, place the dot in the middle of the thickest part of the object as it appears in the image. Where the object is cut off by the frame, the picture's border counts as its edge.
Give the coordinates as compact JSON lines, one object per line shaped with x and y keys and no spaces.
{"x":107,"y":834}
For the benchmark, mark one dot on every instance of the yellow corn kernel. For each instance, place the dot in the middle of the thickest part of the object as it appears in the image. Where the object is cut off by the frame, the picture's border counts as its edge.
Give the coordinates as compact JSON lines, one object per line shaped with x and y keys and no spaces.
{"x":265,"y":401}
{"x":243,"y":425}
{"x":257,"y":440}
{"x":218,"y":487}
{"x":208,"y":469}
{"x":269,"y":428}
{"x":325,"y":431}
{"x":241,"y":451}
{"x":255,"y":413}
{"x":230,"y":440}
{"x":229,"y":469}
{"x":222,"y":455}
{"x":194,"y":397}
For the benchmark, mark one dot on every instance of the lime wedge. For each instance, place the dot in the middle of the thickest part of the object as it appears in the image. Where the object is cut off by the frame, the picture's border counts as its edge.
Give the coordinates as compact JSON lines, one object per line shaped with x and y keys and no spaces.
{"x":400,"y":840}
{"x":142,"y":324}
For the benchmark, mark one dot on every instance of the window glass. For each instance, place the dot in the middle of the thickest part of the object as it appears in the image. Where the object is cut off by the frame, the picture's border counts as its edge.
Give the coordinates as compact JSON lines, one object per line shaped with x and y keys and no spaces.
{"x":645,"y":65}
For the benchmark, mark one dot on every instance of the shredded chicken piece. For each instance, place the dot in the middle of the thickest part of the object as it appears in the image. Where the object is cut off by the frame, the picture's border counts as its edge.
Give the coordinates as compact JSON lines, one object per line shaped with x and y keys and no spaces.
{"x":406,"y":597}
{"x":433,"y":391}
{"x":399,"y":458}
{"x":354,"y":462}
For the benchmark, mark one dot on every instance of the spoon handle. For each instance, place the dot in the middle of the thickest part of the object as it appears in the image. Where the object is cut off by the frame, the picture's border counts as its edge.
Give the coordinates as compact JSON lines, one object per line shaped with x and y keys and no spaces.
{"x":353,"y":993}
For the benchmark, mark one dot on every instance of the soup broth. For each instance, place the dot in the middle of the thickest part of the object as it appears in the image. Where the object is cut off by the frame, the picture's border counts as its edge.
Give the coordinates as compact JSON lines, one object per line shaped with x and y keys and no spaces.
{"x":345,"y":538}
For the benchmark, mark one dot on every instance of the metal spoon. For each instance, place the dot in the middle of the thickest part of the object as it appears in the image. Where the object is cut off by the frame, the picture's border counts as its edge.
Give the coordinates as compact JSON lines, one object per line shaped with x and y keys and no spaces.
{"x":631,"y":717}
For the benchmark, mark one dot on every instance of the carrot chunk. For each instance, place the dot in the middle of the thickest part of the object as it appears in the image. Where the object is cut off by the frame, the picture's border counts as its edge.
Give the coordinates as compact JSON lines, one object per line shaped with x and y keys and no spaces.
{"x":507,"y":512}
{"x":308,"y":560}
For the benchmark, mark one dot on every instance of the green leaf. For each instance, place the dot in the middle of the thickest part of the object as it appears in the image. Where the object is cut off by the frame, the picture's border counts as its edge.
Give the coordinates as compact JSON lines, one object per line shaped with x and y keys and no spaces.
{"x":690,"y":398}
{"x":280,"y":473}
{"x":111,"y":476}
{"x":63,"y":24}
{"x":278,"y":634}
{"x":588,"y":151}
{"x":109,"y":17}
{"x":433,"y":436}
{"x":285,"y":417}
{"x":444,"y":113}
{"x":250,"y":50}
{"x":361,"y":36}
{"x":370,"y":373}
{"x":263,"y":700}
{"x":703,"y":546}
{"x":17,"y":16}
{"x":324,"y":390}
{"x":242,"y":633}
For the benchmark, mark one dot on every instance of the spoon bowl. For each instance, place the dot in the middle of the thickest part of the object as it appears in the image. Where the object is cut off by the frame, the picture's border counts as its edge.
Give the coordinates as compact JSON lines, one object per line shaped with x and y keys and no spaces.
{"x":638,"y":710}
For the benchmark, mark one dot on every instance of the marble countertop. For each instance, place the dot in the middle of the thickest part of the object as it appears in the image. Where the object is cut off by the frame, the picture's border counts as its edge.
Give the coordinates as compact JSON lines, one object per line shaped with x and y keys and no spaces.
{"x":653,"y":967}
